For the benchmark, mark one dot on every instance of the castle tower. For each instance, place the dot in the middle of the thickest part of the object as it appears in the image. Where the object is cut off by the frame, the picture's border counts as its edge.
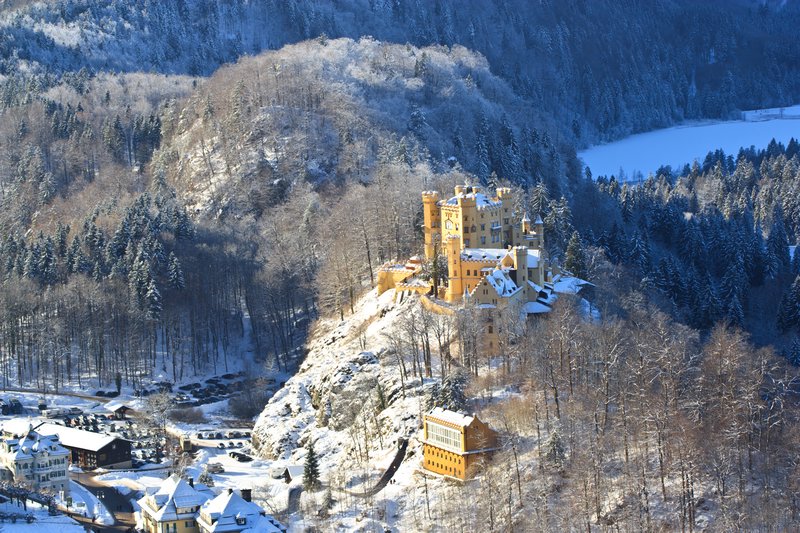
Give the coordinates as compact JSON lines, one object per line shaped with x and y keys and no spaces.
{"x":538,"y":227}
{"x":526,"y":224}
{"x":455,"y":287}
{"x":432,"y":222}
{"x":521,"y":266}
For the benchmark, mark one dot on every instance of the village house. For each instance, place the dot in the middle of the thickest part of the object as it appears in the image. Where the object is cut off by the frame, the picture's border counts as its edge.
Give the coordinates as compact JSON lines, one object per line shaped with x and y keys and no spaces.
{"x":455,"y":444}
{"x":233,"y":513}
{"x":172,"y":507}
{"x":31,"y":459}
{"x":178,"y":506}
{"x":90,"y":450}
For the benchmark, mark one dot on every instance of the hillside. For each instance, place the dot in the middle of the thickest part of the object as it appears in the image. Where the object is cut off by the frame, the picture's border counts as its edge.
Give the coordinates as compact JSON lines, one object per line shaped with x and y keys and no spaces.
{"x":638,"y":445}
{"x":595,"y":67}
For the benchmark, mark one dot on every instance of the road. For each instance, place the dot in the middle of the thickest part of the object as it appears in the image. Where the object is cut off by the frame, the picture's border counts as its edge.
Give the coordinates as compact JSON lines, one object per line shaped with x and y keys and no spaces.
{"x":119,"y":505}
{"x":387,"y":475}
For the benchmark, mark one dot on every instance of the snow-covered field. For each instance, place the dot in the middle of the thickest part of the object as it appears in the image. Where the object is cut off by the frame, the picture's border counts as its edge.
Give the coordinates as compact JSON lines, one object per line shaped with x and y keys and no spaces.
{"x":683,"y":144}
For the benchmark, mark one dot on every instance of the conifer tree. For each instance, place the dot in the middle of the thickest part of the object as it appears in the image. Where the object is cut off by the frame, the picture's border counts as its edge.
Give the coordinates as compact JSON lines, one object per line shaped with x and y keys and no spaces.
{"x":789,"y":309}
{"x":175,"y":273}
{"x":311,"y":468}
{"x":153,"y":298}
{"x":575,"y":258}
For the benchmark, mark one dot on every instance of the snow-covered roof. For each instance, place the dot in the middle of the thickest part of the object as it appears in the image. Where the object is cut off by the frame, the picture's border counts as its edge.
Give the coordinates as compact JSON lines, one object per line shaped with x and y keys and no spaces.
{"x":31,"y":444}
{"x":481,"y":200}
{"x":451,"y":417}
{"x":172,"y":499}
{"x":116,"y":405}
{"x":537,"y":307}
{"x":537,"y":288}
{"x":569,"y":284}
{"x":77,"y":438}
{"x":18,"y":426}
{"x":502,"y":283}
{"x":538,"y":220}
{"x":221,"y":513}
{"x":483,"y":254}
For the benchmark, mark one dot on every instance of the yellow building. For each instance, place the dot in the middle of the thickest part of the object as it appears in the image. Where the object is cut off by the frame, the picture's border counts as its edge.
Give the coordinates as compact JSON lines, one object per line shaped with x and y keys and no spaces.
{"x":492,"y":261}
{"x":455,"y":444}
{"x":172,"y":508}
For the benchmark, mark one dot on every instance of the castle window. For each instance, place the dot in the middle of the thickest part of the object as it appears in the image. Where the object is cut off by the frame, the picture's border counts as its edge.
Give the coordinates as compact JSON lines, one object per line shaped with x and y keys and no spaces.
{"x":491,"y":329}
{"x":474,"y":229}
{"x":483,"y":226}
{"x":448,"y":224}
{"x":505,"y":220}
{"x":483,"y":240}
{"x":467,"y":272}
{"x":466,"y":243}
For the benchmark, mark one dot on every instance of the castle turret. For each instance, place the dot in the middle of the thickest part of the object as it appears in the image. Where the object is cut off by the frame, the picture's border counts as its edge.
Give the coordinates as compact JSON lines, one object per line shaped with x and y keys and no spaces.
{"x":538,"y":227}
{"x":455,"y":286}
{"x":432,"y":222}
{"x":526,"y":224}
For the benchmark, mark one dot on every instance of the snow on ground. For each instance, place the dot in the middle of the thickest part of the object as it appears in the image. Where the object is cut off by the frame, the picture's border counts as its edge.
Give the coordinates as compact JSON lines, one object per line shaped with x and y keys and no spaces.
{"x":94,"y":507}
{"x":346,"y":362}
{"x":42,"y":523}
{"x":679,"y":145}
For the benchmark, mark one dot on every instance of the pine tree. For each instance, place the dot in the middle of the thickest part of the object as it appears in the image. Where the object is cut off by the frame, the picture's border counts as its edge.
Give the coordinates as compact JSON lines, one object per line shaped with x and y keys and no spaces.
{"x":175,"y":273}
{"x":575,"y":258}
{"x":793,"y":352}
{"x":734,"y":314}
{"x":777,"y":246}
{"x":153,"y":298}
{"x":789,"y":309}
{"x":311,"y":468}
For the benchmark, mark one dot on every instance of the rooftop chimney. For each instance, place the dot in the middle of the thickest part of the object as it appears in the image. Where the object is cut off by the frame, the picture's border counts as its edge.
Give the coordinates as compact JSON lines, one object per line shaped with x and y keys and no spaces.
{"x":230,"y":491}
{"x":247,"y":494}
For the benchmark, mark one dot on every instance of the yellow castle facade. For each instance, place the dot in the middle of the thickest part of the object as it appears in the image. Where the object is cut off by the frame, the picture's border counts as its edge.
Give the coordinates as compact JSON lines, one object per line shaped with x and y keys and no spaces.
{"x":493,"y":257}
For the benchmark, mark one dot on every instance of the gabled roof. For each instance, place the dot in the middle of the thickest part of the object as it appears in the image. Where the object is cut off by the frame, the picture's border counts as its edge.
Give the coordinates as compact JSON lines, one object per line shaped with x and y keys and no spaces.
{"x":173,"y":494}
{"x":77,"y":438}
{"x":220,"y":514}
{"x":502,"y":283}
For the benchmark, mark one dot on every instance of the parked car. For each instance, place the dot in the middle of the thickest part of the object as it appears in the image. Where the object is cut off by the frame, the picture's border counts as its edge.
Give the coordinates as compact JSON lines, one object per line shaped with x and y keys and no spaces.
{"x":215,"y":468}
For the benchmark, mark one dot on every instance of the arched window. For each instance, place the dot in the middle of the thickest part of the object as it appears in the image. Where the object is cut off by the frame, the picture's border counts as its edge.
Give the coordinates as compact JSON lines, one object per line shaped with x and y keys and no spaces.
{"x":448,"y":225}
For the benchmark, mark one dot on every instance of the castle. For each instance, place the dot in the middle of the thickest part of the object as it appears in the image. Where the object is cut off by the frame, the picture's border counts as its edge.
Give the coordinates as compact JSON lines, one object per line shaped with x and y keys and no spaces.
{"x":492,"y":260}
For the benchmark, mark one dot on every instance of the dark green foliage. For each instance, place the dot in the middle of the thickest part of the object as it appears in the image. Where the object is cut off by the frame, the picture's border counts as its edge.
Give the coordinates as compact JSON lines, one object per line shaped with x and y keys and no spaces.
{"x":311,"y":468}
{"x":575,"y":258}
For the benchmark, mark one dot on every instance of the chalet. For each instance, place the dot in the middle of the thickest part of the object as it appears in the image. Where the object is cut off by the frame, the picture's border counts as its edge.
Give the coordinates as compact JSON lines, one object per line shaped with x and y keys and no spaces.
{"x":233,"y":513}
{"x":117,"y":409}
{"x":91,"y":450}
{"x":172,"y":507}
{"x":455,"y":444}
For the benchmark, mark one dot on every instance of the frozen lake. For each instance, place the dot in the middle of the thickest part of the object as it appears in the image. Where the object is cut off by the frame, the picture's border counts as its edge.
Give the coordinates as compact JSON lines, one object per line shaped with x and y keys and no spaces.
{"x":678,"y":145}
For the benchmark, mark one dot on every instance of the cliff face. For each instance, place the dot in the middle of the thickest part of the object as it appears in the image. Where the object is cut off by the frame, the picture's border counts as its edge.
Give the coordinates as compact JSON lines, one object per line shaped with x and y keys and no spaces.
{"x":346,"y":397}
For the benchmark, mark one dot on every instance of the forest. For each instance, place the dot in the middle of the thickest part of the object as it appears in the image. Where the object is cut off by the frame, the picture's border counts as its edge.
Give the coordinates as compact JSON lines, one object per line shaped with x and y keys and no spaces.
{"x":249,"y":169}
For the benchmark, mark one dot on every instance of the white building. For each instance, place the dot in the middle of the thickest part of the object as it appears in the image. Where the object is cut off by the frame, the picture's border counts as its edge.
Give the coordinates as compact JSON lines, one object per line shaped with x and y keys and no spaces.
{"x":37,"y":461}
{"x":231,"y":513}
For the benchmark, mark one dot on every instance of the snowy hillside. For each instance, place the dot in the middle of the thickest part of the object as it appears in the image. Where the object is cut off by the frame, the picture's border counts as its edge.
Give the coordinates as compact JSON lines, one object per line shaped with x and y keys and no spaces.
{"x":333,"y":401}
